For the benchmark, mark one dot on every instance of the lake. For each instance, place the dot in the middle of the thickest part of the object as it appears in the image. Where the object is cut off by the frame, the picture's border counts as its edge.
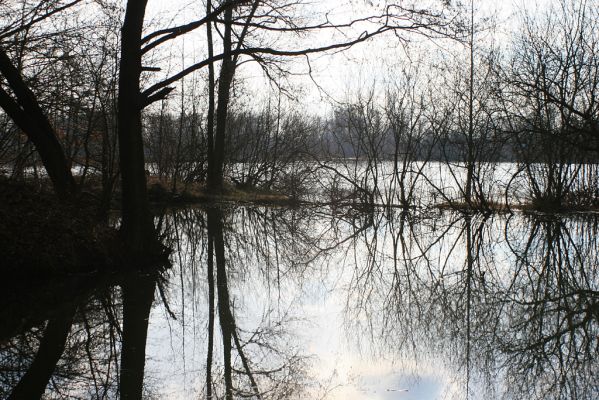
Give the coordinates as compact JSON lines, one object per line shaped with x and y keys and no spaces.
{"x":321,"y":303}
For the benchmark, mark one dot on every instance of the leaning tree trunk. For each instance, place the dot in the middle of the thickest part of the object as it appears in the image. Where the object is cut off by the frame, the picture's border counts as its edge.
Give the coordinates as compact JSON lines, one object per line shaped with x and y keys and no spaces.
{"x":137,"y":227}
{"x":27,"y":114}
{"x":33,"y":384}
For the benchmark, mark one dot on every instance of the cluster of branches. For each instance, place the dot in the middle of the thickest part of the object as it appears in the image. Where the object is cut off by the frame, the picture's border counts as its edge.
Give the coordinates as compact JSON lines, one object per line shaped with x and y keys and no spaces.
{"x":77,"y":75}
{"x":533,"y":105}
{"x":72,"y":86}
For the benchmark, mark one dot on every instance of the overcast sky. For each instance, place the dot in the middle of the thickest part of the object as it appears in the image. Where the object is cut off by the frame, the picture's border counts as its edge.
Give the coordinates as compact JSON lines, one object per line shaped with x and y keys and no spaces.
{"x":366,"y":65}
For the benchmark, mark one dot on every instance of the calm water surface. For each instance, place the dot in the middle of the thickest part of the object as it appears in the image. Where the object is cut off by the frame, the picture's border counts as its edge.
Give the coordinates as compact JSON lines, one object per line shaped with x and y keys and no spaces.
{"x":317,"y":303}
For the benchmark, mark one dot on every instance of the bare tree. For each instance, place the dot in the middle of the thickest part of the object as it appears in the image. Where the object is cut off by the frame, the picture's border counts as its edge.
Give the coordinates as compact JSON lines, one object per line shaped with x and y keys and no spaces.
{"x":551,"y":97}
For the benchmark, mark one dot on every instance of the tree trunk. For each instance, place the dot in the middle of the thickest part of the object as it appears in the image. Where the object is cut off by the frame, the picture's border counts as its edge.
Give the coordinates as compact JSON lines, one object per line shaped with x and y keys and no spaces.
{"x":227,"y":71}
{"x":211,"y":85}
{"x":470,"y":157}
{"x":137,"y":226}
{"x":27,"y":114}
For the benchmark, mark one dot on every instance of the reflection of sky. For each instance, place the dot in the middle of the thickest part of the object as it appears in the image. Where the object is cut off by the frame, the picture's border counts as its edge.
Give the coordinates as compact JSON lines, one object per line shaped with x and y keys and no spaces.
{"x":352,"y":373}
{"x":340,"y":368}
{"x":388,"y":387}
{"x":356,"y":350}
{"x":370,"y":379}
{"x":344,"y":361}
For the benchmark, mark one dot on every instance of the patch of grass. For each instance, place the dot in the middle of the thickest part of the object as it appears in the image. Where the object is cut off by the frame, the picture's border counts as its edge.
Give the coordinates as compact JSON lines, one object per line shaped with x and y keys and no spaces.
{"x":160,"y":192}
{"x":489,"y":206}
{"x":570,"y":203}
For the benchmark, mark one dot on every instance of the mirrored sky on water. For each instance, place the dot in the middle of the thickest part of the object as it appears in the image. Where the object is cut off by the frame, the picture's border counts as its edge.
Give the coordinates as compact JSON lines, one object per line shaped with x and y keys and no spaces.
{"x":347,"y":311}
{"x":340,"y":304}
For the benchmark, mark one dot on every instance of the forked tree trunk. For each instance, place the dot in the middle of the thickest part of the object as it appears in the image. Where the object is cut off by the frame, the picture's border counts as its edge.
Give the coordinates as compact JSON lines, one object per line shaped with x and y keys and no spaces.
{"x":227,"y":71}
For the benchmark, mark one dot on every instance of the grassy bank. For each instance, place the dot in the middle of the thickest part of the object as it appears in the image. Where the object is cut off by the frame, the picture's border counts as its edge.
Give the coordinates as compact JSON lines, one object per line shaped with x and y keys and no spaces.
{"x":41,"y":237}
{"x":161,"y":192}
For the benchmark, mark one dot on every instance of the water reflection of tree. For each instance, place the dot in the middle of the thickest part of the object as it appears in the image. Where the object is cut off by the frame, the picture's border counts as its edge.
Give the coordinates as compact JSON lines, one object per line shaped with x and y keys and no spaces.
{"x":552,"y":308}
{"x":138,"y":296}
{"x":32,"y":383}
{"x":257,"y":359}
{"x":88,"y":343}
{"x":66,"y":345}
{"x":510,"y":303}
{"x":517,"y":313}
